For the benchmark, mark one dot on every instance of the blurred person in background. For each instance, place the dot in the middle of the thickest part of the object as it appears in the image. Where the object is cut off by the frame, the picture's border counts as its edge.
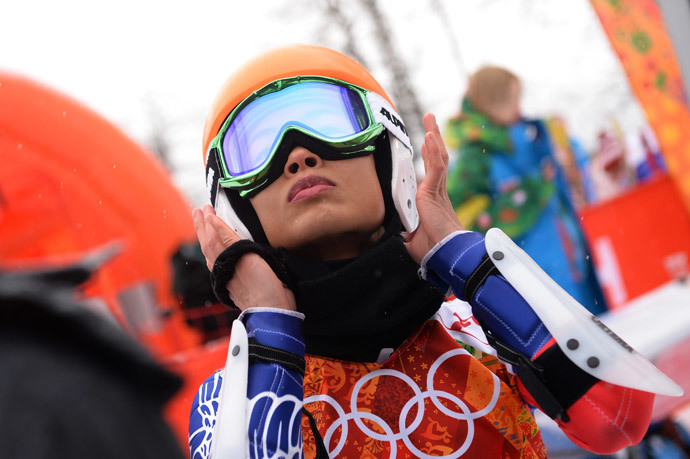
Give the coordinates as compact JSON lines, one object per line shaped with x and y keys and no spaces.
{"x":506,"y":175}
{"x":73,"y":384}
{"x":611,"y":172}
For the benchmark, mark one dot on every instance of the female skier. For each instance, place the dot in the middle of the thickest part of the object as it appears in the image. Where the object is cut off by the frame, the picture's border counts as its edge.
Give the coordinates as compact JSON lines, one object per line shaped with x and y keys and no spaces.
{"x":350,"y":342}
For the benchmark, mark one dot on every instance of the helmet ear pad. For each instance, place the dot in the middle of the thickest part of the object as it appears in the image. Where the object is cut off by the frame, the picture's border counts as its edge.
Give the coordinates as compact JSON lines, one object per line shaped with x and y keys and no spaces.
{"x":384,"y":170}
{"x":245,"y":212}
{"x":236,"y":211}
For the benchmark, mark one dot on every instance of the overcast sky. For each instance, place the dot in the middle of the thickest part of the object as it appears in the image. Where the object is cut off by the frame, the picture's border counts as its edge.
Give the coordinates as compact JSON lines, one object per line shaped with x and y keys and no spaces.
{"x":138,"y":61}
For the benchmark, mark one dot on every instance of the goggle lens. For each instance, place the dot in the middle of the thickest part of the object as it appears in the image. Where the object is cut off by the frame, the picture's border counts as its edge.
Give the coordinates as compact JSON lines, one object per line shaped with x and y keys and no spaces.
{"x":326,"y":110}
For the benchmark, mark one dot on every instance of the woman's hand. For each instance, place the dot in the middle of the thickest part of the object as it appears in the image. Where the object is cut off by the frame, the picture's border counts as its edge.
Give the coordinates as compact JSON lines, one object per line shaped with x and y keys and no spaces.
{"x":254,"y":283}
{"x":437,"y":218}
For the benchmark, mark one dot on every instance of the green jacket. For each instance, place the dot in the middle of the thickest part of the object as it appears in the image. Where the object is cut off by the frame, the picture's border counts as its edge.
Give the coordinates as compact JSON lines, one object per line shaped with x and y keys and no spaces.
{"x":503,"y":176}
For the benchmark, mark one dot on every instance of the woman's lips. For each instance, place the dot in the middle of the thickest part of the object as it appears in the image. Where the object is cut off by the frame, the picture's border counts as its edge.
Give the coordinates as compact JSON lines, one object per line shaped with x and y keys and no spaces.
{"x":308,"y":186}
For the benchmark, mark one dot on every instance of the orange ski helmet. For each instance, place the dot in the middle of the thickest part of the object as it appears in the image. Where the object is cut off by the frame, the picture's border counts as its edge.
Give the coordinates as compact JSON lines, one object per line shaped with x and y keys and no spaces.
{"x":395,"y":168}
{"x":284,"y":62}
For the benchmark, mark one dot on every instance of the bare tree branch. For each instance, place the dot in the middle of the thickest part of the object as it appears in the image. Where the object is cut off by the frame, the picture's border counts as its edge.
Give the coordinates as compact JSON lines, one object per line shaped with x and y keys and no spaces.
{"x":335,"y":12}
{"x":158,"y":135}
{"x":408,"y":107}
{"x":440,"y":11}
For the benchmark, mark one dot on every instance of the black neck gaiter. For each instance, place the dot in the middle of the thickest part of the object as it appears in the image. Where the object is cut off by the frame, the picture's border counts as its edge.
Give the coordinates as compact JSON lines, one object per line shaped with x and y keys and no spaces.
{"x":355,"y":308}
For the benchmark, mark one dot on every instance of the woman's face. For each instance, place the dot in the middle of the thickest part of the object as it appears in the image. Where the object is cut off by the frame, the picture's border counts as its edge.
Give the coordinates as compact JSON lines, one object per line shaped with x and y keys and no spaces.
{"x":326,"y":209}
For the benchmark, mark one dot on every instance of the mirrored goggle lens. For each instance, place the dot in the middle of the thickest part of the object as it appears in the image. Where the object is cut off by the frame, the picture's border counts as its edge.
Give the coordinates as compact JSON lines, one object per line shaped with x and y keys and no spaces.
{"x":330,"y":111}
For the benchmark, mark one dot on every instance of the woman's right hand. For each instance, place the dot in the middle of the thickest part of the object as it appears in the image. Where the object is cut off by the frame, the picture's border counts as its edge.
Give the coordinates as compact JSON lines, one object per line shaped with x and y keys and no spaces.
{"x":254,"y":283}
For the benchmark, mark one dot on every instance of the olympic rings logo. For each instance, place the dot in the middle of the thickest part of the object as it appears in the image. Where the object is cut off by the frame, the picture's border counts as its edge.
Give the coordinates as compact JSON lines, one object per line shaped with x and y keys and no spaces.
{"x":404,"y":431}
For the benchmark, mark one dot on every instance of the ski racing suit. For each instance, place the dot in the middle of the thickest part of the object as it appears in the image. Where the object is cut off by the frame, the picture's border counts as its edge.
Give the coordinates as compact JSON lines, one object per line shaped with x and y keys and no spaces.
{"x":462,"y":385}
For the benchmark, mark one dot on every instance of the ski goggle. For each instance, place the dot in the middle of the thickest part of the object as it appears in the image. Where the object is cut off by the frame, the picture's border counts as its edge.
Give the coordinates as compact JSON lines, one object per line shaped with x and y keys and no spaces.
{"x":330,"y":111}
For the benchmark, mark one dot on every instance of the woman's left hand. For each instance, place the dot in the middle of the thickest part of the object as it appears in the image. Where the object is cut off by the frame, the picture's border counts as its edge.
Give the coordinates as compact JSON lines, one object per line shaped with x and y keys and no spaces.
{"x":437,"y":219}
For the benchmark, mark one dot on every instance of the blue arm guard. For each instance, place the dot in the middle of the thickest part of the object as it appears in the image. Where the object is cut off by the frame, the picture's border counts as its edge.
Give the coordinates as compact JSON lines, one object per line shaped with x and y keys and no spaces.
{"x":274,"y":391}
{"x":516,"y":313}
{"x":495,"y":303}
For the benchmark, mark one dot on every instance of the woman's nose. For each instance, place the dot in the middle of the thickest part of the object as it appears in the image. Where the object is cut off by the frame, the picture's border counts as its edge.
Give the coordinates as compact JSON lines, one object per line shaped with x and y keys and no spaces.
{"x":300,"y":159}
